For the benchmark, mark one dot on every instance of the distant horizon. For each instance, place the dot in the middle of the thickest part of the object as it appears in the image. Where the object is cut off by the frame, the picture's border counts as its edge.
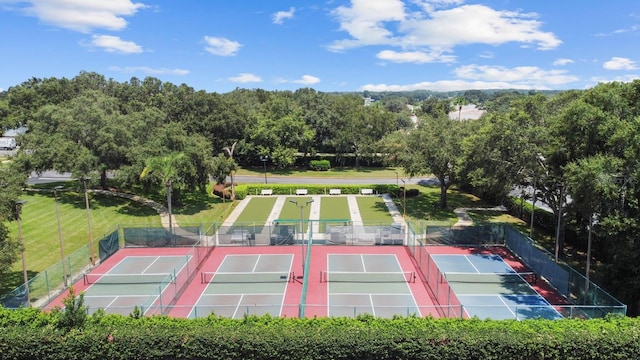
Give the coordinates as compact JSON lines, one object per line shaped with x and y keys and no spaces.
{"x":330,"y":45}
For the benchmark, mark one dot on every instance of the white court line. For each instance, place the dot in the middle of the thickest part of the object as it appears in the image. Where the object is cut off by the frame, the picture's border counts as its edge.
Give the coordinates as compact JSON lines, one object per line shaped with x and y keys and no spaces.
{"x":153,"y":262}
{"x":238,"y":306}
{"x":507,"y":306}
{"x":256,"y":264}
{"x":469,"y":260}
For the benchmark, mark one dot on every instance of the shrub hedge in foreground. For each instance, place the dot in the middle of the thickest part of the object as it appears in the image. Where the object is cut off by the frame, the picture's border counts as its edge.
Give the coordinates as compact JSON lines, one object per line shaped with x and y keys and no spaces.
{"x":30,"y":334}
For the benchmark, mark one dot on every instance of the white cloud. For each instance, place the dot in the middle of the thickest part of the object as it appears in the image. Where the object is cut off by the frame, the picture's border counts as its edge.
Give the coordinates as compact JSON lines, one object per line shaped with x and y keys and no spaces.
{"x":518,"y":75}
{"x":562,"y":62}
{"x":221,"y":46}
{"x":446,"y":85}
{"x":391,"y":23}
{"x":418,"y":57}
{"x":149,"y":70}
{"x":307,"y":80}
{"x":245,"y":78}
{"x":487,"y":77}
{"x":280,"y":16}
{"x":114,"y":44}
{"x":82,"y":15}
{"x":619,"y":63}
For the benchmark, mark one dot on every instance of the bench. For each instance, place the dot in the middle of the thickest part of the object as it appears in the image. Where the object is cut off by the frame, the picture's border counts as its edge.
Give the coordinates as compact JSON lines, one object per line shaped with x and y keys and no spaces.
{"x":335,"y":192}
{"x":301,"y":191}
{"x":266,"y":192}
{"x":366,"y":191}
{"x":239,"y":237}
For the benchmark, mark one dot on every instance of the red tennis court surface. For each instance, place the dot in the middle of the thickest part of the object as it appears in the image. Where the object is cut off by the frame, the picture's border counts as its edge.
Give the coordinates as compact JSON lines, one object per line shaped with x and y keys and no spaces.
{"x":312,"y":300}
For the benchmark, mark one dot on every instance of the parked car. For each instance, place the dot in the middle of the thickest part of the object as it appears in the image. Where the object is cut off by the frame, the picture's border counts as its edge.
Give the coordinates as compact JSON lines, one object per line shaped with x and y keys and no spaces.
{"x":7,"y":143}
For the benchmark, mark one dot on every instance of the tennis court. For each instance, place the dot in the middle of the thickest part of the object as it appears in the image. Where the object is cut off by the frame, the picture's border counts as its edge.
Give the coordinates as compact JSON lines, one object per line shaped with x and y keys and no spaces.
{"x":488,"y":287}
{"x":134,"y":281}
{"x":246,"y":284}
{"x":368,"y":284}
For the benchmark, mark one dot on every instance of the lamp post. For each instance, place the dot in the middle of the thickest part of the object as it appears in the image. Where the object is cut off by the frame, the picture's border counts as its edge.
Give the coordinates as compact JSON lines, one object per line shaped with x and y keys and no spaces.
{"x":302,"y":206}
{"x":19,"y":204}
{"x":64,"y":264}
{"x":264,"y":160}
{"x":397,"y":183}
{"x":86,"y":203}
{"x":168,"y":185}
{"x":404,"y":197}
{"x":533,"y":206}
{"x":560,"y":199}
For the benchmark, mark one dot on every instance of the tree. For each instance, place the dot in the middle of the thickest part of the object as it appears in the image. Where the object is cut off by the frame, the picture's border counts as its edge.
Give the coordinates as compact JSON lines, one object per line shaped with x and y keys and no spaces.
{"x":166,"y":170}
{"x":11,"y":183}
{"x":433,"y":148}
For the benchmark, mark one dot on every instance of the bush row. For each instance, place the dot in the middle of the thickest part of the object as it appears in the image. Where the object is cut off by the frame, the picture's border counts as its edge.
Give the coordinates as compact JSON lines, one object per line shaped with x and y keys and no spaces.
{"x":119,"y":337}
{"x":290,"y":189}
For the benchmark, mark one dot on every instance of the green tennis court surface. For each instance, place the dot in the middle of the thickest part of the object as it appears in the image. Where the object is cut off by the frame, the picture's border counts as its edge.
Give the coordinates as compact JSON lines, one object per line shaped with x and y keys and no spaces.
{"x":368,"y":284}
{"x":249,"y":284}
{"x":134,"y":281}
{"x":487,"y":287}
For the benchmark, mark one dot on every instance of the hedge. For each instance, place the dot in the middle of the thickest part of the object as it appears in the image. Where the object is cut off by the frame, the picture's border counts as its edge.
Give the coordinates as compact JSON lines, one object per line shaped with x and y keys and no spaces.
{"x":290,"y":189}
{"x":25,"y":334}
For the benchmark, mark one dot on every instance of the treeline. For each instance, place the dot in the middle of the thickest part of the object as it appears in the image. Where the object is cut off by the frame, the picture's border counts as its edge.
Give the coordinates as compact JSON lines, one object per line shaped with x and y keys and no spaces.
{"x":579,"y":150}
{"x":32,"y":334}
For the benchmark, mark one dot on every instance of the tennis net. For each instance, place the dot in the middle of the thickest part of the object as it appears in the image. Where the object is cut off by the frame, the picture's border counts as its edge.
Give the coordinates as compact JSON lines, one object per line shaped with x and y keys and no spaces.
{"x":368,"y":277}
{"x":493,"y":278}
{"x":128,"y":278}
{"x":246,"y":277}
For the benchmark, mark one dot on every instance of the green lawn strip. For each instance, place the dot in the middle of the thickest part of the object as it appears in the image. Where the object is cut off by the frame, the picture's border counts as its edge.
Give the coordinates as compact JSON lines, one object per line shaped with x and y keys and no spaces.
{"x":256,"y":212}
{"x":374,"y":211}
{"x":333,"y":208}
{"x":291,"y":211}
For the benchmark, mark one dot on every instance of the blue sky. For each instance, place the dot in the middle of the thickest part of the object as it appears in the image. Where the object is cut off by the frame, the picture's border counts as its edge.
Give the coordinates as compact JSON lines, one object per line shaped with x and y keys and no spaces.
{"x":330,"y":45}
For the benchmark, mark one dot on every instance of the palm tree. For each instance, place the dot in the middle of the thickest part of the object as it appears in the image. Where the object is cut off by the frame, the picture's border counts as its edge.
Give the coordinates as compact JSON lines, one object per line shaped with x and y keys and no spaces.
{"x":233,"y":167}
{"x":167,"y":170}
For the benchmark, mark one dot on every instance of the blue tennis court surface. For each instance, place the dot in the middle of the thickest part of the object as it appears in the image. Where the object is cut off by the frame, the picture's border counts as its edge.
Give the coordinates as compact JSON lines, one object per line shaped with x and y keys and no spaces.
{"x":488,"y":287}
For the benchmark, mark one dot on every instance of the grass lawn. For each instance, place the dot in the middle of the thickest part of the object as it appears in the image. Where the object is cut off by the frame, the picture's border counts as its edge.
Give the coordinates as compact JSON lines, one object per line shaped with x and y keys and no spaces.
{"x":373,"y":210}
{"x":257,"y":211}
{"x":333,"y":208}
{"x":291,"y":211}
{"x":40,"y":227}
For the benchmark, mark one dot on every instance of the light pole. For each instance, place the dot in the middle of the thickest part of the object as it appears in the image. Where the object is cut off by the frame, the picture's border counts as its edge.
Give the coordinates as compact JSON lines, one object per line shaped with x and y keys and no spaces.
{"x":64,"y":264}
{"x":168,"y":185}
{"x":533,"y":206}
{"x":560,"y":199}
{"x":19,"y":204}
{"x":264,"y":160}
{"x":397,"y":183}
{"x":86,"y":203}
{"x":302,"y":206}
{"x":404,"y":197}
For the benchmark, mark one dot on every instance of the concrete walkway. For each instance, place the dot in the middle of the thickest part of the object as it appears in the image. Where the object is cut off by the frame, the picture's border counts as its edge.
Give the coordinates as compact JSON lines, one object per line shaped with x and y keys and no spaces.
{"x":465,"y":220}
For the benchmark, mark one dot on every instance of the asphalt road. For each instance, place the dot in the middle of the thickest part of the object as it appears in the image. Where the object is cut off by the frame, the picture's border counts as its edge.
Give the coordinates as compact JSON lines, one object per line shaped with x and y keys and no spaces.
{"x":53,"y":176}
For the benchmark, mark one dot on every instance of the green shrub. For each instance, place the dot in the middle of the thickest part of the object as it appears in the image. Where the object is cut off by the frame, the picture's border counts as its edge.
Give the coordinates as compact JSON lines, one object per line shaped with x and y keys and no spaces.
{"x":365,"y":337}
{"x":320,"y":165}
